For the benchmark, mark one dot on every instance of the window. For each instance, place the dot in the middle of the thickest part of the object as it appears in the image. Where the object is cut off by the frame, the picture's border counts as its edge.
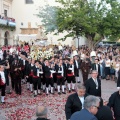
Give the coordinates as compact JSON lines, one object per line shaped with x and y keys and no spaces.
{"x":5,"y":13}
{"x":29,"y":1}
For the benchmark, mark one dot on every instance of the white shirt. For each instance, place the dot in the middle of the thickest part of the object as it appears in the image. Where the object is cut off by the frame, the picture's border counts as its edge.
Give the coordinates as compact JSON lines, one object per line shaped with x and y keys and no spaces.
{"x":82,"y":101}
{"x":3,"y":76}
{"x":107,"y":63}
{"x":97,"y":67}
{"x":96,"y":82}
{"x":76,"y":63}
{"x":23,"y":62}
{"x":61,"y":71}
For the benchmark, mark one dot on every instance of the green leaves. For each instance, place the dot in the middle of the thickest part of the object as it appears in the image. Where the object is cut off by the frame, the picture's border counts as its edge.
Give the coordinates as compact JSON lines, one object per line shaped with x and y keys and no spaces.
{"x":82,"y":18}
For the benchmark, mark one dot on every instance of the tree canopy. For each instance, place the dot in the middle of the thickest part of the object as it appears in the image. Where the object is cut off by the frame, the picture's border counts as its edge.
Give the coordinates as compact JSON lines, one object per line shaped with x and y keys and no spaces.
{"x":92,"y":19}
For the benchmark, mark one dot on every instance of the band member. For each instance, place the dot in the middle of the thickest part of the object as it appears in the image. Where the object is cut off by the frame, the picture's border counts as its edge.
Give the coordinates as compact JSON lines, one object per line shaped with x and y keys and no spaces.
{"x":85,"y":68}
{"x":16,"y":67}
{"x":66,"y":64}
{"x":23,"y":62}
{"x":6,"y":70}
{"x":2,"y":83}
{"x":49,"y":70}
{"x":60,"y":69}
{"x":26,"y":68}
{"x":11,"y":59}
{"x":42,"y":75}
{"x":71,"y":76}
{"x":36,"y":78}
{"x":55,"y":74}
{"x":29,"y":74}
{"x":76,"y":68}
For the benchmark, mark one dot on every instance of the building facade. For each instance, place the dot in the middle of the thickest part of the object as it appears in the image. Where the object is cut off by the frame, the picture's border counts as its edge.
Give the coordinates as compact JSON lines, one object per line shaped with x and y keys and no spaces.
{"x":7,"y":23}
{"x":28,"y":24}
{"x":19,"y":22}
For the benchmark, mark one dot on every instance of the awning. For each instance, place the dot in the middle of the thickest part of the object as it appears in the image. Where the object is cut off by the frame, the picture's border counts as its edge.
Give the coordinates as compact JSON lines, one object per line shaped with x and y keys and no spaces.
{"x":26,"y":37}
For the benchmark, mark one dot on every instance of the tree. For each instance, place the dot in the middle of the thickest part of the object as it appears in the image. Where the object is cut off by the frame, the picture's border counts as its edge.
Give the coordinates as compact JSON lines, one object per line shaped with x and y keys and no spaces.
{"x":48,"y":16}
{"x":94,"y":20}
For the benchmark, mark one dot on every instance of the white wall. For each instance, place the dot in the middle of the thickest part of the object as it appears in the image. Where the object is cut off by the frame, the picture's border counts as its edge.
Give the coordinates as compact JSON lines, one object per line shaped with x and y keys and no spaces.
{"x":82,"y":41}
{"x":26,"y":13}
{"x":6,"y":5}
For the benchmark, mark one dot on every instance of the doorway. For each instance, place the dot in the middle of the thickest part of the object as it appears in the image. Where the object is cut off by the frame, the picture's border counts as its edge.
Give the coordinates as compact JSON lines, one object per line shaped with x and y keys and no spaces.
{"x":6,"y":38}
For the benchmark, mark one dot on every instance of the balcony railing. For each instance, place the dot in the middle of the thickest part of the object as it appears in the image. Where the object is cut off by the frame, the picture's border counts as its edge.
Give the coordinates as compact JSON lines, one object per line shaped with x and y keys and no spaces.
{"x":3,"y":22}
{"x":7,"y":23}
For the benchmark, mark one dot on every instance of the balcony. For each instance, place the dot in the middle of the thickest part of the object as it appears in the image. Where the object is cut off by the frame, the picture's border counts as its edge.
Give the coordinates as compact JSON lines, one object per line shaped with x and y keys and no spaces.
{"x":3,"y":22}
{"x":7,"y":23}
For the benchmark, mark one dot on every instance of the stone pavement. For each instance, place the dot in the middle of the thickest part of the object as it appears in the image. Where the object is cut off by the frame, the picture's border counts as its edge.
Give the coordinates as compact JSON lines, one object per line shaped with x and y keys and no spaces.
{"x":23,"y":107}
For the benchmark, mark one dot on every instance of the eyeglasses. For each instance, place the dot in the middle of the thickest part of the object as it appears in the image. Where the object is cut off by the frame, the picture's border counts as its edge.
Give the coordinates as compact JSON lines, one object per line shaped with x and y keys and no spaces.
{"x":96,"y":107}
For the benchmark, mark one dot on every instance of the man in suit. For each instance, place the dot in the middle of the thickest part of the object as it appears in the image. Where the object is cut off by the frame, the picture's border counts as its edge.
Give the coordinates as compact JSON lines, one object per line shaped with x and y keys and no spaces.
{"x":23,"y":63}
{"x":76,"y":68}
{"x":114,"y":103}
{"x":93,"y":85}
{"x":91,"y":105}
{"x":104,"y":112}
{"x":16,"y":69}
{"x":96,"y":66}
{"x":75,"y":101}
{"x":118,"y":81}
{"x":41,"y":113}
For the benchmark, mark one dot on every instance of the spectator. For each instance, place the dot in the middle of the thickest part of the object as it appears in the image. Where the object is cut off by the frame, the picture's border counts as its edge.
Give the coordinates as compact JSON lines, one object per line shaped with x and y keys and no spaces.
{"x":104,"y":112}
{"x":91,"y":105}
{"x":75,"y":101}
{"x":93,"y":85}
{"x":41,"y":113}
{"x":114,"y":103}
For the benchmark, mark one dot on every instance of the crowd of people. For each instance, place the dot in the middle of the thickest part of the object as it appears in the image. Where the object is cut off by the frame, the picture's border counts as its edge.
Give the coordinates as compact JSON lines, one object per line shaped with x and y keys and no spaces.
{"x":60,"y":72}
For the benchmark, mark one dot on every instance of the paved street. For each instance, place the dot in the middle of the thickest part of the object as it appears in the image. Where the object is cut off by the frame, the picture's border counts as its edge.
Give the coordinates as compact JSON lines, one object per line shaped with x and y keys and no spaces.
{"x":23,"y":107}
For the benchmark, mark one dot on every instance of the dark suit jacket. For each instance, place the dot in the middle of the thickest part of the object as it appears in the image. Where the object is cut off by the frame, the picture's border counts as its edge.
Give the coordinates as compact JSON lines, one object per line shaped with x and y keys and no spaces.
{"x":47,"y":71}
{"x":118,"y":81}
{"x":72,"y":105}
{"x":28,"y":69}
{"x":75,"y":66}
{"x":64,"y":70}
{"x":76,"y":70}
{"x":114,"y":102}
{"x":91,"y":87}
{"x":94,"y":68}
{"x":84,"y":114}
{"x":104,"y":113}
{"x":35,"y":71}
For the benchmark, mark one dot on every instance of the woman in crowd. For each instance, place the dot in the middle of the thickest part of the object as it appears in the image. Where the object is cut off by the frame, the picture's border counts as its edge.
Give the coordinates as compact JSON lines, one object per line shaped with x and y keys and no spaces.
{"x":112,"y":69}
{"x":107,"y":67}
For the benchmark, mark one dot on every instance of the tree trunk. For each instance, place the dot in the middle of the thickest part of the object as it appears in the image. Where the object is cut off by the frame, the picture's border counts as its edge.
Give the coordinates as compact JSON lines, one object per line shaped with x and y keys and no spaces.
{"x":90,"y":43}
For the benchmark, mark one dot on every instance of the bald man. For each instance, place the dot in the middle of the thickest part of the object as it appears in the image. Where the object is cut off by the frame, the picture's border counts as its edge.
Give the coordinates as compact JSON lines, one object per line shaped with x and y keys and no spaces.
{"x":41,"y":113}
